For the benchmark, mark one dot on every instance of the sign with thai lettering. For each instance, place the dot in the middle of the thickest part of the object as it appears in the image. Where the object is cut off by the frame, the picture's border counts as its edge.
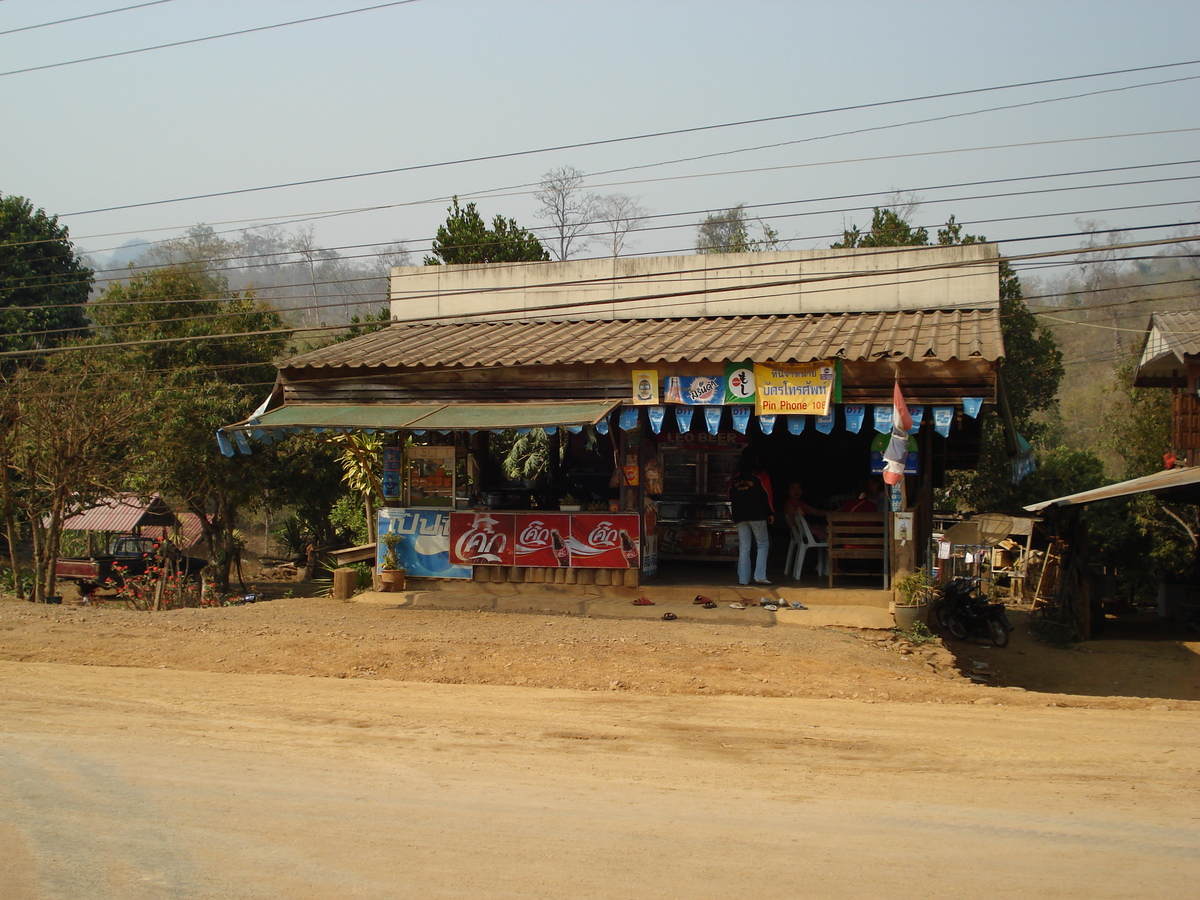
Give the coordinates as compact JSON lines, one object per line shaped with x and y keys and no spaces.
{"x":606,"y":541}
{"x":739,"y":383}
{"x":424,"y":546}
{"x":482,"y":539}
{"x":694,"y":390}
{"x":542,"y":539}
{"x":794,"y":388}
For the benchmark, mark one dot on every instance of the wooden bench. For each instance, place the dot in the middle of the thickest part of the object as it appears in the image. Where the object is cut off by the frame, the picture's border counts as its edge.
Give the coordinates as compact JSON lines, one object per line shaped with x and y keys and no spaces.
{"x":861,"y":537}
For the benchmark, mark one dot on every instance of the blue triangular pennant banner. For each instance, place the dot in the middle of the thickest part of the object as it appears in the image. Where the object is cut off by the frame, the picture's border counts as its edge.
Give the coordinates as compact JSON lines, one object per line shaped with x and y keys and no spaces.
{"x":712,"y":418}
{"x":656,"y":414}
{"x":883,"y":419}
{"x":972,"y":405}
{"x":917,"y":413}
{"x":766,"y":424}
{"x":629,"y":418}
{"x":602,"y":426}
{"x":854,"y":418}
{"x":796,"y":424}
{"x":741,"y":417}
{"x":683,"y":418}
{"x":825,"y":422}
{"x":942,"y":417}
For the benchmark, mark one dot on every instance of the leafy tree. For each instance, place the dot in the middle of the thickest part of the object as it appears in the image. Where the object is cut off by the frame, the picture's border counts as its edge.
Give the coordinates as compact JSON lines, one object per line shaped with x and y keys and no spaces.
{"x":1031,"y":369}
{"x":205,"y":359}
{"x":464,"y":238}
{"x":43,"y":283}
{"x":728,"y":231}
{"x":69,"y":428}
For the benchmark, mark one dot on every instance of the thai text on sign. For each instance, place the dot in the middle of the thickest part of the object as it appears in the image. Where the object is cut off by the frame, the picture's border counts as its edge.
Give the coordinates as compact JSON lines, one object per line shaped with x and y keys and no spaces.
{"x":794,"y":388}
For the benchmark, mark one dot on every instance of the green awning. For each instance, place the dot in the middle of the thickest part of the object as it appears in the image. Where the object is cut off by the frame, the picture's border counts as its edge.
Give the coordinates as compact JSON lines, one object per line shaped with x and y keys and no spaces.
{"x":292,"y":418}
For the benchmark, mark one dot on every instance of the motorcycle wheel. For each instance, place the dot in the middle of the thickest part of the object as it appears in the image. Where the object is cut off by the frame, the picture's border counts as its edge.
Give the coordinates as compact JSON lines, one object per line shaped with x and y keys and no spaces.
{"x":941,"y":613}
{"x":998,"y":632}
{"x":956,"y":626}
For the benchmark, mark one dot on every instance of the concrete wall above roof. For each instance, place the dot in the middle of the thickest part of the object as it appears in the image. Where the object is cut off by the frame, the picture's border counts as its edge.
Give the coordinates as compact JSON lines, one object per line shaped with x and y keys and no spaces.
{"x":726,"y":284}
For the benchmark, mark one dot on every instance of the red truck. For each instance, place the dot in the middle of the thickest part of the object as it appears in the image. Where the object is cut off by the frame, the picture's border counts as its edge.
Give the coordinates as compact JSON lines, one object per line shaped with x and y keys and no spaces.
{"x":128,"y":554}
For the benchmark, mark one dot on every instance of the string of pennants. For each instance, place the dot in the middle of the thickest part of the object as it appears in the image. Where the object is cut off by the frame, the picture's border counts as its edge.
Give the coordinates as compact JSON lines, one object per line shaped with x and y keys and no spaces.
{"x":855,"y":418}
{"x":630,"y":416}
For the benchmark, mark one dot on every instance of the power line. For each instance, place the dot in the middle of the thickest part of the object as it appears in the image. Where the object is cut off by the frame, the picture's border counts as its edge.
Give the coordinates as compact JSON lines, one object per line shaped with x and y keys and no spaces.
{"x":638,"y":137}
{"x":200,"y":40}
{"x":106,"y":12}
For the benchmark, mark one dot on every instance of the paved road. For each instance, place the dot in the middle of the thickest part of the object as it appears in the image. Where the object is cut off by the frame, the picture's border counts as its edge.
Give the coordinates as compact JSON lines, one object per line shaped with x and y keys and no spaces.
{"x":133,"y":783}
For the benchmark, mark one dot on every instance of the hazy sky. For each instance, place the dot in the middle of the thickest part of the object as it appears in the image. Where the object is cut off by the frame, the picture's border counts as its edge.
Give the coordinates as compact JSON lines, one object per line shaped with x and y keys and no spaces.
{"x":436,"y":81}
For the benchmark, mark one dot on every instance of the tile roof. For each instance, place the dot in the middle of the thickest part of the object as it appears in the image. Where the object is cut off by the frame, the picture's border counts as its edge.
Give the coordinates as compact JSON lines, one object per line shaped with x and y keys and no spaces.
{"x":923,"y":334}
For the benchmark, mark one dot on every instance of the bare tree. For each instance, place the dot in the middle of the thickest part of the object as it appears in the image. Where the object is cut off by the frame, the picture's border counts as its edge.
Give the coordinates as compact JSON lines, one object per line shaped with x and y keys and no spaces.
{"x":618,"y":214}
{"x":568,"y":208}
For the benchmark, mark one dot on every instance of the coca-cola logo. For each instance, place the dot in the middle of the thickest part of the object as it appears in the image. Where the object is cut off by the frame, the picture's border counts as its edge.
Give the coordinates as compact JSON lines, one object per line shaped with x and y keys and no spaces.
{"x":604,"y":534}
{"x":481,"y":546}
{"x":534,"y":535}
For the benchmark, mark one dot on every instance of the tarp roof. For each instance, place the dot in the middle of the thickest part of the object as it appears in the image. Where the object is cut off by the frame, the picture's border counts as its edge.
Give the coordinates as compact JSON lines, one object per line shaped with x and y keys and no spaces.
{"x":1185,"y":483}
{"x":289,"y":419}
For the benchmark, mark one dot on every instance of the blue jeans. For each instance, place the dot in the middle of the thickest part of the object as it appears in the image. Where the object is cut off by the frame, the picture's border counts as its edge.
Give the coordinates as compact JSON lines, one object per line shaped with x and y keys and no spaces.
{"x":757,"y":530}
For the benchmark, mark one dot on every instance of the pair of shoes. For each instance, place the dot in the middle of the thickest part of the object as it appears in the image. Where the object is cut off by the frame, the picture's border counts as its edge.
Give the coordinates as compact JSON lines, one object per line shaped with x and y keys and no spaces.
{"x":763,"y":581}
{"x":796,"y":604}
{"x":710,"y":605}
{"x":701,"y":600}
{"x":770,"y":607}
{"x":670,"y":617}
{"x":737,"y":605}
{"x":765,"y":601}
{"x":643,"y":601}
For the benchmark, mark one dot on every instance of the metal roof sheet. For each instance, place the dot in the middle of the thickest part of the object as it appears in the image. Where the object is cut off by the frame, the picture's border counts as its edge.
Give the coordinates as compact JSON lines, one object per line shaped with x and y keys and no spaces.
{"x":924,"y":334}
{"x":1180,"y":481}
{"x":124,"y":512}
{"x":1170,"y":338}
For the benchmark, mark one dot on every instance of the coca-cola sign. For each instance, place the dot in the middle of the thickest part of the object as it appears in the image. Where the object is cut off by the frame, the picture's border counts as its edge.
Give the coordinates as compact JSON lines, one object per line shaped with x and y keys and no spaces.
{"x":606,"y":541}
{"x":482,"y":539}
{"x":542,"y":539}
{"x":580,"y":540}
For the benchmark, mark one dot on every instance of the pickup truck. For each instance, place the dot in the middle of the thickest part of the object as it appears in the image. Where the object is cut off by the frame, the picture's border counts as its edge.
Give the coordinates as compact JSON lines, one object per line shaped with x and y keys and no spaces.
{"x":133,"y":554}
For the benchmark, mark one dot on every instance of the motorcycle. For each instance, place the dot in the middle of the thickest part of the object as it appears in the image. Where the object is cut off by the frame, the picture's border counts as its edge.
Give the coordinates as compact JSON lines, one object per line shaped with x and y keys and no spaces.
{"x":965,"y":614}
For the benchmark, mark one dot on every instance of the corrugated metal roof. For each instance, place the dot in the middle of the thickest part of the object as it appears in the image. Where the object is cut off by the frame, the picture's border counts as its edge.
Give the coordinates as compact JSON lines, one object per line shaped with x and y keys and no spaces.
{"x":1170,"y":338}
{"x":926,"y":334}
{"x":124,"y":512}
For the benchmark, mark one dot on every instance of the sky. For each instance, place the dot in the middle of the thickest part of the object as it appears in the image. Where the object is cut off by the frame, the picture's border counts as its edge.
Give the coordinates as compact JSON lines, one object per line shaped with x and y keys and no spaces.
{"x":375,"y":119}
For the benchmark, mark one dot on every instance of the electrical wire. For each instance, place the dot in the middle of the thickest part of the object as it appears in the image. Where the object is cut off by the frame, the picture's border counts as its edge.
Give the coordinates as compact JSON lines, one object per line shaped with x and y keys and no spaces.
{"x":106,"y":12}
{"x":639,"y":137}
{"x":200,"y":40}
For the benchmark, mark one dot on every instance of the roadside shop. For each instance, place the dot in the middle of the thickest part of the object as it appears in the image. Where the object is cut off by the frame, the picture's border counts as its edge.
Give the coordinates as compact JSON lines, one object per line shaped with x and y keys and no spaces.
{"x":637,"y":383}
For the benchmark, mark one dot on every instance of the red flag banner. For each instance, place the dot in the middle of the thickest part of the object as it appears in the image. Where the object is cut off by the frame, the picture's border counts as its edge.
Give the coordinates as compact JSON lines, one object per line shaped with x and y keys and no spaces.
{"x":901,"y":416}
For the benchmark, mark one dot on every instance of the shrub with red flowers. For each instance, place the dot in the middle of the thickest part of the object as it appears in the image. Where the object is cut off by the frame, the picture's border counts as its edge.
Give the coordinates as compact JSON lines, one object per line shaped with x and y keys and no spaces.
{"x":140,"y":591}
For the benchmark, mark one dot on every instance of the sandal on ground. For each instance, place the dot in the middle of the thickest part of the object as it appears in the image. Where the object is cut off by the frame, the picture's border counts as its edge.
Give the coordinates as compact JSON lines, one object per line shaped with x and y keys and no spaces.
{"x":771,"y":607}
{"x":701,"y":600}
{"x":737,"y":605}
{"x":670,"y":617}
{"x":643,"y":601}
{"x":710,"y":605}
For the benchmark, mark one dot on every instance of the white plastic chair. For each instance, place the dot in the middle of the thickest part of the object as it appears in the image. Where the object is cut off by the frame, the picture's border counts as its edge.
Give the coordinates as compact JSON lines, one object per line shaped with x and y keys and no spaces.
{"x":803,"y":541}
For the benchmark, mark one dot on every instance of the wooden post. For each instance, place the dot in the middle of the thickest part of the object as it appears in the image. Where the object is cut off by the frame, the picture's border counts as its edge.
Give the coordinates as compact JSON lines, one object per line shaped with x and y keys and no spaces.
{"x":343,"y":583}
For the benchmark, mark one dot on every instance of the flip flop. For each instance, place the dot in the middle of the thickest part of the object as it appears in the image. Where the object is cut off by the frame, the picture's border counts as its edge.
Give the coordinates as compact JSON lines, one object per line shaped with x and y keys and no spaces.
{"x":710,"y":605}
{"x":670,"y":617}
{"x":796,"y":604}
{"x":737,"y":605}
{"x":771,"y":607}
{"x":643,"y":601}
{"x":701,"y":599}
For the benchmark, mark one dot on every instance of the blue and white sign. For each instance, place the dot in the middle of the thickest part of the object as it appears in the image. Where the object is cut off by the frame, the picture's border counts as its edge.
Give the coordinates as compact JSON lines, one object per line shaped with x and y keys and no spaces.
{"x":424,"y":548}
{"x":855,"y":415}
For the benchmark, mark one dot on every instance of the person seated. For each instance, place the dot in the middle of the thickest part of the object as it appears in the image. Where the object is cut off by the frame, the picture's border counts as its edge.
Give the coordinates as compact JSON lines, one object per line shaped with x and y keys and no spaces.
{"x":795,"y":508}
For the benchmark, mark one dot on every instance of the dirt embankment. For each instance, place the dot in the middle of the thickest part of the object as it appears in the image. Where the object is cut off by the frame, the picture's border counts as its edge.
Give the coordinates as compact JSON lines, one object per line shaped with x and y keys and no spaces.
{"x":328,"y":638}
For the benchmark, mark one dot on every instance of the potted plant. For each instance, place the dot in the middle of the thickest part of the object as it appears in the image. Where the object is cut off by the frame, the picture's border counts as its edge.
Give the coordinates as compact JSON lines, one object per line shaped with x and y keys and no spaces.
{"x":913,"y":595}
{"x":391,"y":577}
{"x":569,"y":503}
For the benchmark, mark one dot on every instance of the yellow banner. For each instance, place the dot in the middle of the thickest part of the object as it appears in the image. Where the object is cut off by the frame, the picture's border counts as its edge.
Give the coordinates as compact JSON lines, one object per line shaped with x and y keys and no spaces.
{"x":794,"y":389}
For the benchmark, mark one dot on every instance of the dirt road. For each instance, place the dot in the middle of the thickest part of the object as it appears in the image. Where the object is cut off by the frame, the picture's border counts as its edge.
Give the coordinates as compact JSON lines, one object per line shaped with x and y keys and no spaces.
{"x":167,"y":778}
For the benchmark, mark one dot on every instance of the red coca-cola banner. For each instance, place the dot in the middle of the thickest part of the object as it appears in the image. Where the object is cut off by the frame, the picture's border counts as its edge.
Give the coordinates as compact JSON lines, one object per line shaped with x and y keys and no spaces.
{"x":482,"y":539}
{"x":542,"y":539}
{"x":581,"y":540}
{"x":606,"y":540}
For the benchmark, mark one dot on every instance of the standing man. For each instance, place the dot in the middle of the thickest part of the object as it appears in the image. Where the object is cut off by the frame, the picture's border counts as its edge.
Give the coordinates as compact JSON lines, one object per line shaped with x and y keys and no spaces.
{"x":753,"y":508}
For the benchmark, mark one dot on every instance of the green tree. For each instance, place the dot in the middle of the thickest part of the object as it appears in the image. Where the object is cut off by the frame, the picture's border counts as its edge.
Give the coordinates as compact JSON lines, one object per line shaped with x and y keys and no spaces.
{"x":205,"y":358}
{"x":465,"y":238}
{"x":43,"y":283}
{"x":728,"y":231}
{"x":1031,"y":369}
